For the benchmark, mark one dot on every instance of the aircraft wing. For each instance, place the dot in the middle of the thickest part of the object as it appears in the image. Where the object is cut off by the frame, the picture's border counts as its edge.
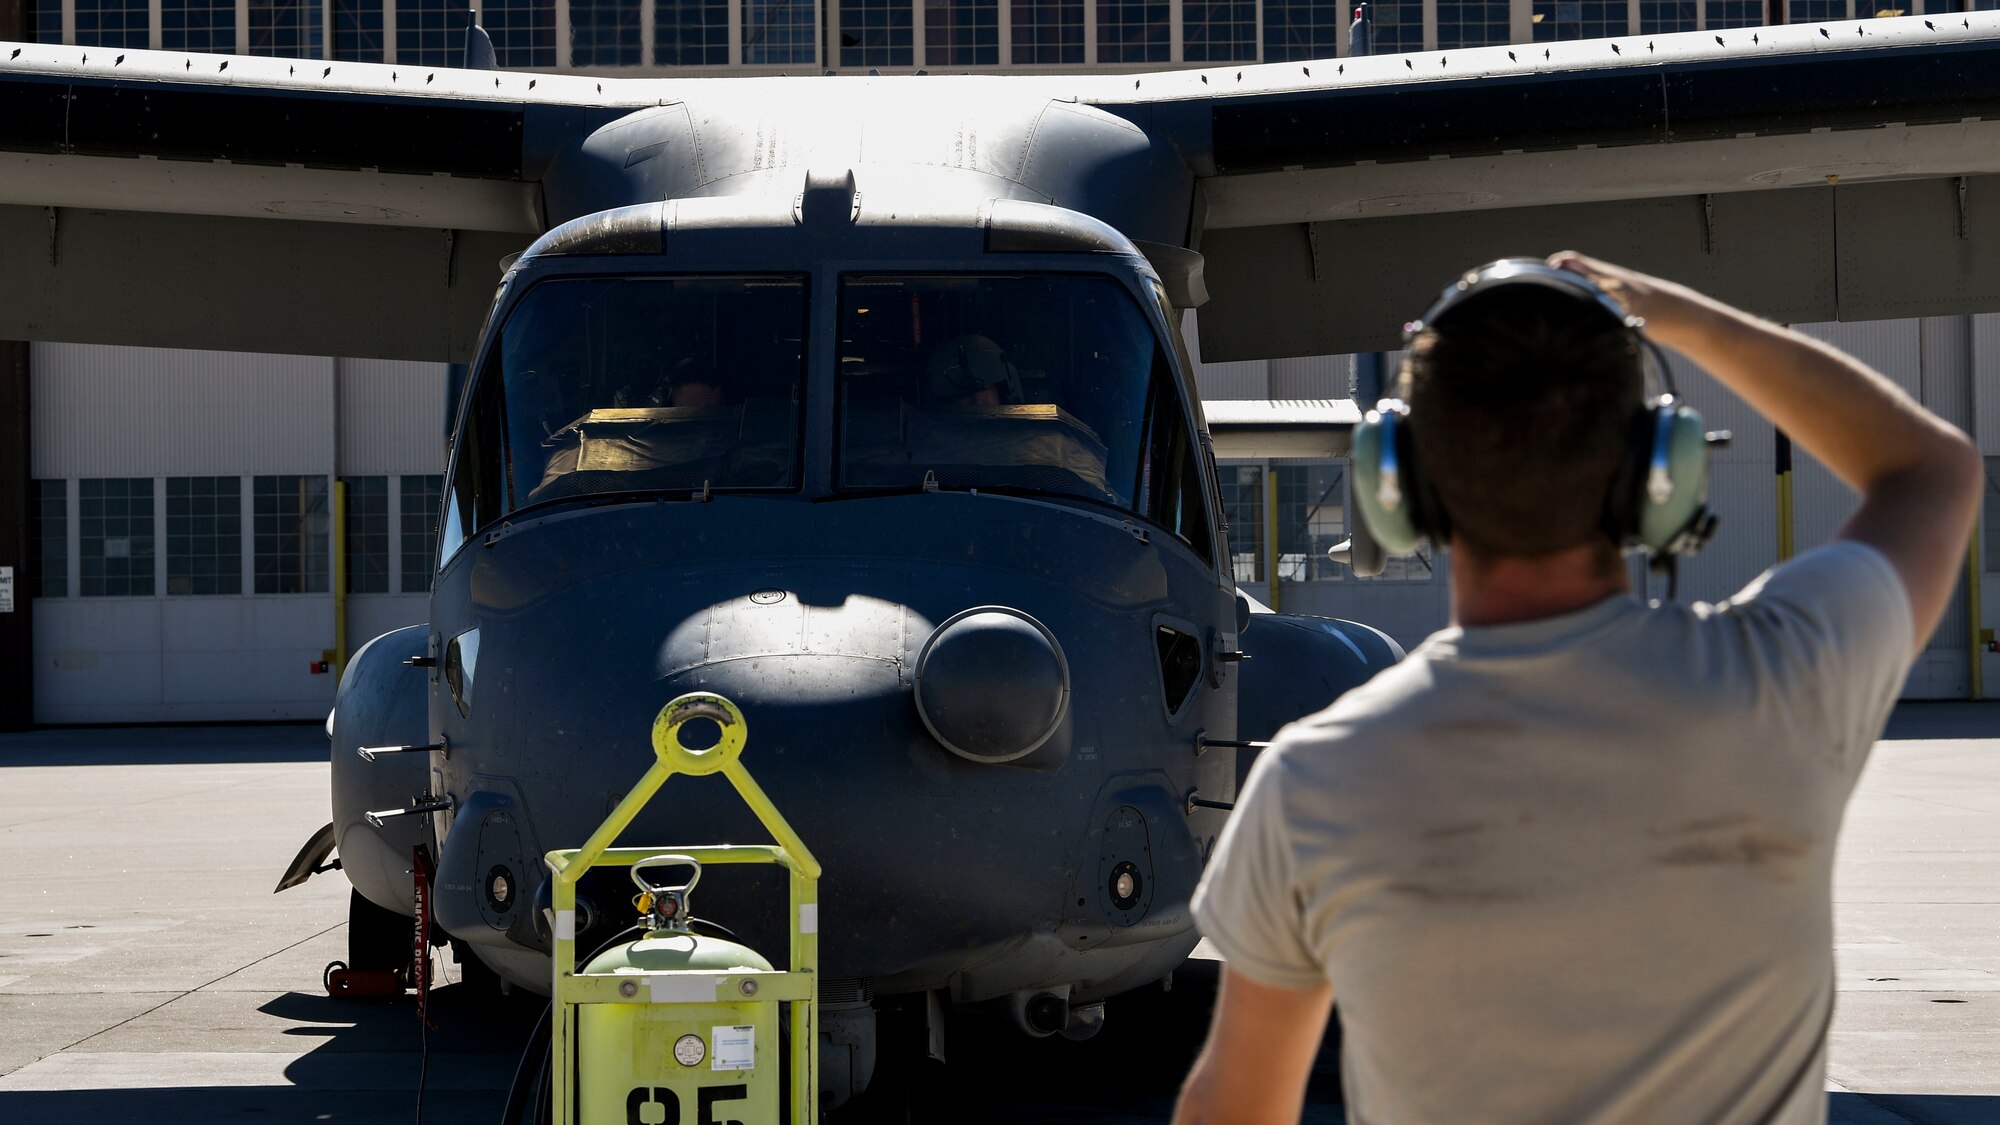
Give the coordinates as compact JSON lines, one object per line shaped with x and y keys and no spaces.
{"x":259,"y":204}
{"x":1845,"y":171}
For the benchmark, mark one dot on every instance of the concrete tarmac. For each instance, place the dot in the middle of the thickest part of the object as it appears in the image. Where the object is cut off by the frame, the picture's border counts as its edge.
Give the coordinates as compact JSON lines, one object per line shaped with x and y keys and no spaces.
{"x":147,"y":972}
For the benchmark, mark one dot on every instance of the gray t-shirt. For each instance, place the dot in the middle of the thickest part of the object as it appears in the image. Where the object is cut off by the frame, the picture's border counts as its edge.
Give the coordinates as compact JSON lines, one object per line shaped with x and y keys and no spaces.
{"x":1577,"y":869}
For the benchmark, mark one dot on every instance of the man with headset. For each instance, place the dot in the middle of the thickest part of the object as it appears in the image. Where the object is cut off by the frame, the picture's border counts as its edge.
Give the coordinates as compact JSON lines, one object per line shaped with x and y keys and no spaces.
{"x":1571,"y":861}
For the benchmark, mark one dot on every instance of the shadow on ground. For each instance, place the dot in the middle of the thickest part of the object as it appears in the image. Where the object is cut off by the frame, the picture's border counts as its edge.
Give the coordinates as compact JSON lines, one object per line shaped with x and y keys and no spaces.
{"x":164,"y":746}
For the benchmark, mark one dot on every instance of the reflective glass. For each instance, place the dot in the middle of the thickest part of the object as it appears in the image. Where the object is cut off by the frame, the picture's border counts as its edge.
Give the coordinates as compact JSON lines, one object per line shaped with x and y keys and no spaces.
{"x":1134,"y":31}
{"x":292,"y":534}
{"x":1048,"y":32}
{"x":198,"y":25}
{"x":691,"y":32}
{"x":1219,"y":31}
{"x":1030,"y":383}
{"x":1303,"y":29}
{"x":1556,"y":20}
{"x":52,"y":535}
{"x":418,"y":518}
{"x":1659,"y":17}
{"x":367,"y":534}
{"x":961,"y":32}
{"x":619,"y":385}
{"x":523,"y":32}
{"x":1396,"y":26}
{"x":1734,"y":13}
{"x":204,"y":535}
{"x":779,"y":31}
{"x":1471,"y":23}
{"x":603,"y":33}
{"x":112,"y":23}
{"x":431,"y":32}
{"x":875,"y":33}
{"x":357,"y":30}
{"x":115,"y":536}
{"x":285,"y":28}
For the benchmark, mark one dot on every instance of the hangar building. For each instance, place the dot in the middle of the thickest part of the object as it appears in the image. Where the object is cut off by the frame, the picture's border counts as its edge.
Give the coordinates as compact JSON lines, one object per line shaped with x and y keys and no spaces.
{"x":204,"y":535}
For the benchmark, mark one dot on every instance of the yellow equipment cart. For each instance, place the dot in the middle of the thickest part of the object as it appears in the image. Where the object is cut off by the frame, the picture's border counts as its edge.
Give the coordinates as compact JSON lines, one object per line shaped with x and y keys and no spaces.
{"x":678,"y":1028}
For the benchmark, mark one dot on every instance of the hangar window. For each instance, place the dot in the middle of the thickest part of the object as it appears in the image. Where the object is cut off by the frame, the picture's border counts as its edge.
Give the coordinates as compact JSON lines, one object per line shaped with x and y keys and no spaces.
{"x":1243,"y":512}
{"x":1047,"y":31}
{"x":204,"y":535}
{"x":523,"y":32}
{"x":1659,"y":17}
{"x":603,"y":33}
{"x":419,"y":527}
{"x":115,"y":537}
{"x":431,"y":32}
{"x":52,"y":533}
{"x":357,"y":30}
{"x":1303,"y":29}
{"x":691,"y":32}
{"x":291,"y":535}
{"x":1134,"y":31}
{"x":1556,"y":20}
{"x":1472,"y":23}
{"x":1219,"y":31}
{"x":112,"y":23}
{"x":1733,"y":13}
{"x":779,"y":31}
{"x":961,"y":32}
{"x":285,"y":28}
{"x":367,"y":534}
{"x":1396,"y":25}
{"x":875,"y":33}
{"x":198,"y":25}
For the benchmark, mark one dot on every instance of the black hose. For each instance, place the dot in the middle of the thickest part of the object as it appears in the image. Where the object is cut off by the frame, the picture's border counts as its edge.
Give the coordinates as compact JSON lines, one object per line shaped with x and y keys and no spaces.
{"x":528,"y":1093}
{"x":521,"y":1092}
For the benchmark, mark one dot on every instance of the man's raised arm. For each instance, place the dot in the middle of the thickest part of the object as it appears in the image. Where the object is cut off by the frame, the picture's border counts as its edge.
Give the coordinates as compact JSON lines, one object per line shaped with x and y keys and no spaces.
{"x":1918,"y":476}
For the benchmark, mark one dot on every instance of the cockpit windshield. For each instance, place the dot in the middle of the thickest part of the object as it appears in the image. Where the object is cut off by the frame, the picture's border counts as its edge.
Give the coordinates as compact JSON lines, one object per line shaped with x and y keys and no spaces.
{"x":1036,"y":383}
{"x":645,"y":384}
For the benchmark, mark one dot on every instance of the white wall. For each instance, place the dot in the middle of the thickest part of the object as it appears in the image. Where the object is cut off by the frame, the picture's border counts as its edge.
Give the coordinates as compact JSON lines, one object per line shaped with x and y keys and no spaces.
{"x":155,"y":413}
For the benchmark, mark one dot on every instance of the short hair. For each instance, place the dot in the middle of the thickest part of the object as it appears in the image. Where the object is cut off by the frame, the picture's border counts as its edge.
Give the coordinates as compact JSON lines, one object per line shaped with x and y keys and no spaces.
{"x":1522,"y":402}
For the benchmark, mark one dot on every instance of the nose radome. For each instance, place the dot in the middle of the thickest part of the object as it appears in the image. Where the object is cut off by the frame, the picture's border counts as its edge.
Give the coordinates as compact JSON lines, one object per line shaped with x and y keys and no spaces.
{"x":992,"y":684}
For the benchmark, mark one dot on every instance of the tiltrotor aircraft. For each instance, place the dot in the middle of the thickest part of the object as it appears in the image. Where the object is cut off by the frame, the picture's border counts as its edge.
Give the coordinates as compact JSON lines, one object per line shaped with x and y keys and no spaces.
{"x":863,"y":402}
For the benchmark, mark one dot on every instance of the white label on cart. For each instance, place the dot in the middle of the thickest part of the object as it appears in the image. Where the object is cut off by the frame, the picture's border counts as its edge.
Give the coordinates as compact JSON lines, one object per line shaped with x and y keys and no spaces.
{"x":566,"y":925}
{"x":680,"y":988}
{"x":735,"y":1047}
{"x":809,"y":917}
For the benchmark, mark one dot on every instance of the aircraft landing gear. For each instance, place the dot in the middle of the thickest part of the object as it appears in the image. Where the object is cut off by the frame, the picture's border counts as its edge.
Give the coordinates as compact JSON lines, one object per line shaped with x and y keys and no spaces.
{"x":378,"y":939}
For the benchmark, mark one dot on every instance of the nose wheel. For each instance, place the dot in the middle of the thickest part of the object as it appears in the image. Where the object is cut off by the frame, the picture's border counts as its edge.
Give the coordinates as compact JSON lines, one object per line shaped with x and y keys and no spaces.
{"x":378,"y":939}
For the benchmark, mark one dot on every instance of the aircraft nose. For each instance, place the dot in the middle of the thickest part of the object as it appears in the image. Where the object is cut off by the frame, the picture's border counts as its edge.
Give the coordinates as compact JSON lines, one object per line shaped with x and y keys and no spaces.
{"x":992,"y":684}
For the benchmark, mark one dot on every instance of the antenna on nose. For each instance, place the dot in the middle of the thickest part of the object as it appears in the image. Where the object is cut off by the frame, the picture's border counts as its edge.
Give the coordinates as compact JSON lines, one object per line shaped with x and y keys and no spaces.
{"x":828,"y":200}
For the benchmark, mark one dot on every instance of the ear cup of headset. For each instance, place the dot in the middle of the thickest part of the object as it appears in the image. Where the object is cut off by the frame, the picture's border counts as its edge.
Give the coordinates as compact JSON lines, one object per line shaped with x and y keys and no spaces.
{"x":1661,"y":488}
{"x":1666,"y":515}
{"x":1382,"y":455}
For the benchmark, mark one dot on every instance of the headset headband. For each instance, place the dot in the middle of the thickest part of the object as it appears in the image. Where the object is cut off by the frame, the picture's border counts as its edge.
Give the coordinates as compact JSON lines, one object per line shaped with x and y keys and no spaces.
{"x":1533,"y":271}
{"x":1520,"y":271}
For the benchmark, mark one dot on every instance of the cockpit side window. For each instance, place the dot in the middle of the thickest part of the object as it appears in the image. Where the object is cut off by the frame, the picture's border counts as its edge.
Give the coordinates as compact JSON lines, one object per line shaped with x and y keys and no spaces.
{"x":1033,"y":383}
{"x":477,"y":495}
{"x":1171,"y":493}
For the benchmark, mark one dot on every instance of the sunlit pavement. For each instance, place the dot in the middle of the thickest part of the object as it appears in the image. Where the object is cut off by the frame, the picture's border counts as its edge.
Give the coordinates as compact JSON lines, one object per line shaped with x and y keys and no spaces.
{"x":148,"y":973}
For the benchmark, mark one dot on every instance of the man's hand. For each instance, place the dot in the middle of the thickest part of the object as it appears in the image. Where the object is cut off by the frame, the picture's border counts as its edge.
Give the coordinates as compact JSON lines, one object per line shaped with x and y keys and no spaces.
{"x":1259,"y":1053}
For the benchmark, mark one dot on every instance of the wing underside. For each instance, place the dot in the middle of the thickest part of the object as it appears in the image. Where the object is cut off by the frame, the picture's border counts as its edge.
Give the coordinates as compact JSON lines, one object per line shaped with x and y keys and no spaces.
{"x":1836,"y":172}
{"x":1850,"y":171}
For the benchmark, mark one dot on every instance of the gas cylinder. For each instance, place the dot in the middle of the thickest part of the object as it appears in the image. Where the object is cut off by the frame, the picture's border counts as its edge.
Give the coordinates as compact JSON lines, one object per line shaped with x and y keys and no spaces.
{"x":677,"y":1054}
